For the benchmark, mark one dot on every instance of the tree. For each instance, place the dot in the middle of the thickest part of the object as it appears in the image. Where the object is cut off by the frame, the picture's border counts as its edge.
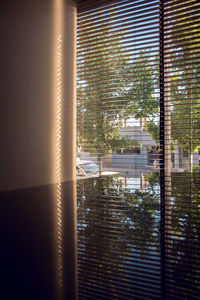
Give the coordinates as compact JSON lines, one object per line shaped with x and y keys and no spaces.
{"x":140,"y":220}
{"x":100,"y":233}
{"x":142,"y":95}
{"x":185,"y":89}
{"x":183,"y":84}
{"x":103,"y":102}
{"x":114,"y":224}
{"x":141,"y":84}
{"x":185,"y":236}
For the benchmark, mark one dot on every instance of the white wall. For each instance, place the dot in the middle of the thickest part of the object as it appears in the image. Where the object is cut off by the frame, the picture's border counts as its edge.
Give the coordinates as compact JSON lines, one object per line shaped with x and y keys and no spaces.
{"x":27,"y":114}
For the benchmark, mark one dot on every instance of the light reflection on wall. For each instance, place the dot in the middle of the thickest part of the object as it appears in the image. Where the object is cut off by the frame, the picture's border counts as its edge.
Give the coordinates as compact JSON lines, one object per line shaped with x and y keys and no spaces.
{"x":64,"y":146}
{"x":57,"y":138}
{"x":59,"y":159}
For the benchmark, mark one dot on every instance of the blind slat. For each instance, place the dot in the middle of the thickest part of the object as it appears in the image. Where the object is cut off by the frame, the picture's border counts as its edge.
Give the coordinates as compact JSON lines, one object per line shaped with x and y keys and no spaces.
{"x":138,"y":119}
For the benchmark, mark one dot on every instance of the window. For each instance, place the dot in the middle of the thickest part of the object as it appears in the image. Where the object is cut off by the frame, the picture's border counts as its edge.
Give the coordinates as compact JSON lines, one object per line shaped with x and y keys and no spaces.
{"x":139,"y":60}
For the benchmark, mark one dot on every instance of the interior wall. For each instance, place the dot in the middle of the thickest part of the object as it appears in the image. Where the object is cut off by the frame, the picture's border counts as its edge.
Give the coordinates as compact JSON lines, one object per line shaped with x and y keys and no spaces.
{"x":26,"y":101}
{"x":27,"y":114}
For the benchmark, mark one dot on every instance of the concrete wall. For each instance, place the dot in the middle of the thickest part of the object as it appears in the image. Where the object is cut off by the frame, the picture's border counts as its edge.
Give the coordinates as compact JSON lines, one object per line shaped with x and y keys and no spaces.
{"x":130,"y":161}
{"x":135,"y":133}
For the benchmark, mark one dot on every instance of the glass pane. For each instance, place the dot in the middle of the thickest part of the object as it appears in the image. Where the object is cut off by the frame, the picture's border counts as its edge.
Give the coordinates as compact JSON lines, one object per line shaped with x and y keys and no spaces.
{"x":118,"y":192}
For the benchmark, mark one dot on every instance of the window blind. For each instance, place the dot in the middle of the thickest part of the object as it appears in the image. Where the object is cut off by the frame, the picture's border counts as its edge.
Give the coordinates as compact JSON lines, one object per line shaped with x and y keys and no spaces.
{"x":118,"y":86}
{"x":181,"y":83}
{"x":138,"y":132}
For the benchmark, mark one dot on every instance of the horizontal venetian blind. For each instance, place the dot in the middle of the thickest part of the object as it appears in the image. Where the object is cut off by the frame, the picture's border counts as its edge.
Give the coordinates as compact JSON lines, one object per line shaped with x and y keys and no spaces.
{"x":118,"y":84}
{"x":182,"y":140}
{"x":117,"y":107}
{"x":138,"y":114}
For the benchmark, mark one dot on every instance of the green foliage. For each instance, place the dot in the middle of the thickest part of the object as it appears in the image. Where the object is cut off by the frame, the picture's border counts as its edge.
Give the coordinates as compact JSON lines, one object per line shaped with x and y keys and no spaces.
{"x":140,"y":219}
{"x":153,"y":180}
{"x":184,"y":89}
{"x":134,"y":213}
{"x":141,"y":82}
{"x":98,"y":113}
{"x":185,"y":114}
{"x":185,"y":231}
{"x":97,"y":213}
{"x":153,"y":129}
{"x":185,"y":84}
{"x":103,"y":103}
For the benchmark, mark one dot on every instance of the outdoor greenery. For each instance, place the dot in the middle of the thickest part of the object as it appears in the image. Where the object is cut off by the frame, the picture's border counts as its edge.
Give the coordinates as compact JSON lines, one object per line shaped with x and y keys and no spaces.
{"x":102,"y":103}
{"x":132,"y":90}
{"x":115,"y":224}
{"x":183,"y":86}
{"x":113,"y":220}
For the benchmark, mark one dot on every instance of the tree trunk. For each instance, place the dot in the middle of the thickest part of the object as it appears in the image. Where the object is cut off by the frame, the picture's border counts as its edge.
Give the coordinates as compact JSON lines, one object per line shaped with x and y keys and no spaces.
{"x":190,"y":161}
{"x":100,"y":165}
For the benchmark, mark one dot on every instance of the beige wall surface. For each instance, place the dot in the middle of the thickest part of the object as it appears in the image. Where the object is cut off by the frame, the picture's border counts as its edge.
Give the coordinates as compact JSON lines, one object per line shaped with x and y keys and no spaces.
{"x":27,"y":114}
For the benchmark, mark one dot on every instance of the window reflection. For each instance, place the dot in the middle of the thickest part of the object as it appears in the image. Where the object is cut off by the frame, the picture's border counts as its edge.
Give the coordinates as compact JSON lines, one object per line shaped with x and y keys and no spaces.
{"x":119,"y":236}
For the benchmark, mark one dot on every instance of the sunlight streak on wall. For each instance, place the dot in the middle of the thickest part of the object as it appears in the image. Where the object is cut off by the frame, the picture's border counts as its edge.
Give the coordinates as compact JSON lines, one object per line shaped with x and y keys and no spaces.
{"x":57,"y":138}
{"x":59,"y":158}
